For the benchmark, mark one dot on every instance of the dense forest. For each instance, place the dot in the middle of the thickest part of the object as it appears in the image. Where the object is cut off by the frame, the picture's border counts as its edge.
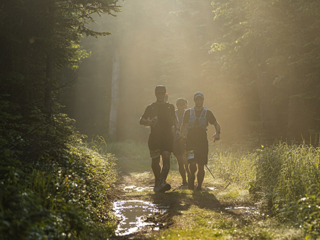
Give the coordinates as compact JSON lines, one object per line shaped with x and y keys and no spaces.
{"x":50,"y":187}
{"x":255,"y":61}
{"x":77,"y":75}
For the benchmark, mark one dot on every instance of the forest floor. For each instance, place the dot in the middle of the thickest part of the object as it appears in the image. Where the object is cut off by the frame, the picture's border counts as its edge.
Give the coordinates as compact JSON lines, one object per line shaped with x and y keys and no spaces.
{"x":220,"y":211}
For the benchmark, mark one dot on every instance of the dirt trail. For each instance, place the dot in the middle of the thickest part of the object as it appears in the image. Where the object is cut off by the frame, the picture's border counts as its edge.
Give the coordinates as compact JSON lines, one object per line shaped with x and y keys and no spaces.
{"x":217,"y":211}
{"x":139,"y":186}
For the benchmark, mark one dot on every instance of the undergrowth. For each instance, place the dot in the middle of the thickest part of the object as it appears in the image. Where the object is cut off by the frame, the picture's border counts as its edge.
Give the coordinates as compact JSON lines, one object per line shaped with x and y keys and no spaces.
{"x":288,"y":178}
{"x":233,"y":167}
{"x":283,"y":178}
{"x":64,"y":198}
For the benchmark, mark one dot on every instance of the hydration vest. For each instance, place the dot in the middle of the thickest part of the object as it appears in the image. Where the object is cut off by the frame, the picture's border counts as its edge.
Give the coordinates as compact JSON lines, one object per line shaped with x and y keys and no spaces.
{"x":200,"y":122}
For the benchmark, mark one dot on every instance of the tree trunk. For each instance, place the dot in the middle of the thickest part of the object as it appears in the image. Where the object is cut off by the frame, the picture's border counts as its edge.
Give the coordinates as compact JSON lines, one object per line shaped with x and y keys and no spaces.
{"x":114,"y":96}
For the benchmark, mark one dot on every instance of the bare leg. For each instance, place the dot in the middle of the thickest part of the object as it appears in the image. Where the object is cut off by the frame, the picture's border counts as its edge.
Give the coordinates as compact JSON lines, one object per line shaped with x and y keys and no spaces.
{"x":155,"y":165}
{"x":187,"y":170}
{"x":200,"y":175}
{"x":192,"y":170}
{"x":185,"y":165}
{"x":165,"y":166}
{"x":182,"y":167}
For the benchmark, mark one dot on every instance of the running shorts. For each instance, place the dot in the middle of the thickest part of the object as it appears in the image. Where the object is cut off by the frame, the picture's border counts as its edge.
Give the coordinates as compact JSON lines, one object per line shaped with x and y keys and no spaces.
{"x":197,"y":146}
{"x":159,"y":143}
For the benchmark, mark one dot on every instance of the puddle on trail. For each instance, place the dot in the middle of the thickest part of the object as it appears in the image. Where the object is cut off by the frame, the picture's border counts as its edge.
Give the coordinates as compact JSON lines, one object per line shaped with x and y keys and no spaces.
{"x":243,"y":210}
{"x":134,"y":188}
{"x":137,"y":189}
{"x":136,"y":214}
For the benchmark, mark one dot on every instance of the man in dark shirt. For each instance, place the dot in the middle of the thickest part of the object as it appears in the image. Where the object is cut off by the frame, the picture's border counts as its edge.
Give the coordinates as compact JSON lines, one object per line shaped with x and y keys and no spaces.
{"x":160,"y":116}
{"x":194,"y":127}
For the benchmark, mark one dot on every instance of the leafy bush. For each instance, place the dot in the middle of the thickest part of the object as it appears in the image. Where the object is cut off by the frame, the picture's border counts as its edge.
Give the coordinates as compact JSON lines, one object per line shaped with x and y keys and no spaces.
{"x":65,"y":199}
{"x":309,"y":214}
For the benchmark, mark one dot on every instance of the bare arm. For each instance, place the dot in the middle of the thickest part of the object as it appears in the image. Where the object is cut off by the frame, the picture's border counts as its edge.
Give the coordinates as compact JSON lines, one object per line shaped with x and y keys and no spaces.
{"x":145,"y":118}
{"x":183,"y":130}
{"x":216,"y":136}
{"x":144,"y":122}
{"x":148,"y":122}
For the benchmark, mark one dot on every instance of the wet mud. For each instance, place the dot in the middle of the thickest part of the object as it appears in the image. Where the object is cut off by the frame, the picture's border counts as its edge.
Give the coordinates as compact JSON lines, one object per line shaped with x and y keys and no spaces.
{"x":143,"y":213}
{"x":136,"y":215}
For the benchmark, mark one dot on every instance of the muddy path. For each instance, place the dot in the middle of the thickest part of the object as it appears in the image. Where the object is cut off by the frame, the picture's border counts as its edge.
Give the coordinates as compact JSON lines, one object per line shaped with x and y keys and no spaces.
{"x":162,"y":211}
{"x":134,"y":193}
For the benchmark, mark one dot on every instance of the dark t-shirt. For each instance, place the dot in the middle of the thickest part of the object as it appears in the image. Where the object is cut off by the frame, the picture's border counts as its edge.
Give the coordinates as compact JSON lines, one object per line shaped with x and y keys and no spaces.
{"x":166,"y":116}
{"x":210,"y":118}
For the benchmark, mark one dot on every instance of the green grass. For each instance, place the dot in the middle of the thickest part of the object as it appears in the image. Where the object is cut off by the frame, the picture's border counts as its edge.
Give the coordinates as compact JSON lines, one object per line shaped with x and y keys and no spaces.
{"x":129,"y":149}
{"x":197,"y":223}
{"x":288,"y":177}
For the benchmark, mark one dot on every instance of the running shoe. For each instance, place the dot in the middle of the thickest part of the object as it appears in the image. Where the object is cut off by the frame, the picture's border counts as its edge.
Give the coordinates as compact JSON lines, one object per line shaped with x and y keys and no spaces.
{"x":156,"y":187}
{"x":164,"y":187}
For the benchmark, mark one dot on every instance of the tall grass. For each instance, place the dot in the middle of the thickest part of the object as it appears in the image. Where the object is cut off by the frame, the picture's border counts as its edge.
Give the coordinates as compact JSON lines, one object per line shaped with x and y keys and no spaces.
{"x":233,"y":166}
{"x":284,"y":178}
{"x":288,"y":176}
{"x":287,"y":172}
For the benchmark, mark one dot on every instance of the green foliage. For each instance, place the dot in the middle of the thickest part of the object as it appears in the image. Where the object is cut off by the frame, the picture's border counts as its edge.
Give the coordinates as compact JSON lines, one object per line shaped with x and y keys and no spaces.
{"x":309,"y":213}
{"x":37,"y":45}
{"x":52,"y":186}
{"x":55,"y":201}
{"x":284,"y":178}
{"x":287,"y":180}
{"x":233,"y":167}
{"x":273,"y":45}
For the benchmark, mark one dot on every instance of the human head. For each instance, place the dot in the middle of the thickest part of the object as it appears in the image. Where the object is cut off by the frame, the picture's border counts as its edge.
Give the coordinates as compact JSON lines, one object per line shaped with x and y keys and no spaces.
{"x":182,"y":103}
{"x":160,"y":92}
{"x":198,"y":94}
{"x":160,"y":88}
{"x":198,"y":99}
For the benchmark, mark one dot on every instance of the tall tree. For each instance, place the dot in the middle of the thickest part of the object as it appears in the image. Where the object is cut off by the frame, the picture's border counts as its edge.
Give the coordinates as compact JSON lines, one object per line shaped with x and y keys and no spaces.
{"x":274,"y":44}
{"x":39,"y":42}
{"x":114,"y":95}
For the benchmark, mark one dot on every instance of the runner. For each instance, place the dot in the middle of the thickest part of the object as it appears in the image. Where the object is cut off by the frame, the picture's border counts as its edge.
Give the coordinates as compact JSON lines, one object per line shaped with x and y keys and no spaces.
{"x":161,"y":118}
{"x":195,"y":121}
{"x":179,"y":143}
